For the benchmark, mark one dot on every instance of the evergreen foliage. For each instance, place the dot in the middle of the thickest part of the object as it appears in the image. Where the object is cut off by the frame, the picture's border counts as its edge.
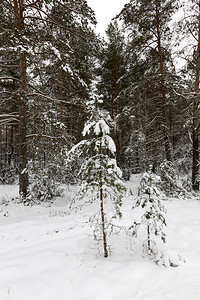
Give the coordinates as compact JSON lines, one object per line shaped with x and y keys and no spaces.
{"x":50,"y":59}
{"x":150,"y":200}
{"x":44,"y":58}
{"x":168,"y":178}
{"x":152,"y":77}
{"x":44,"y":185}
{"x":189,"y":28}
{"x":111,"y":84}
{"x":134,"y":70}
{"x":99,"y":173}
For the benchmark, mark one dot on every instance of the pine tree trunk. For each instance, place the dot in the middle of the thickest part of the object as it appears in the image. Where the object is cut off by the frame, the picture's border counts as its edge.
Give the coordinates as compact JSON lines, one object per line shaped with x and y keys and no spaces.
{"x":119,"y":150}
{"x":23,"y":175}
{"x":16,"y":149}
{"x":102,"y":217}
{"x":112,"y":101}
{"x":61,"y":103}
{"x":148,"y":239}
{"x":167,"y":143}
{"x":6,"y":145}
{"x":195,"y":162}
{"x":148,"y":226}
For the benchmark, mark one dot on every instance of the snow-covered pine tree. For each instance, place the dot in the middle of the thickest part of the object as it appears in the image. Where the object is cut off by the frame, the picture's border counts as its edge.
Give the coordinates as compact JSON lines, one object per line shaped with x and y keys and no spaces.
{"x":149,"y":198}
{"x":168,"y":179}
{"x":111,"y":85}
{"x":151,"y":73}
{"x":45,"y":51}
{"x":99,"y":173}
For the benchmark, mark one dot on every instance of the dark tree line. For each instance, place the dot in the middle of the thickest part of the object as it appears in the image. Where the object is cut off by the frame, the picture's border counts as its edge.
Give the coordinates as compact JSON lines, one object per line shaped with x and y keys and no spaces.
{"x":50,"y":61}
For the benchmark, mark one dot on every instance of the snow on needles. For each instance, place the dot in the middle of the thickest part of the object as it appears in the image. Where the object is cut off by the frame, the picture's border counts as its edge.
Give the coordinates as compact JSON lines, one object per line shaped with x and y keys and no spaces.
{"x":100,"y":128}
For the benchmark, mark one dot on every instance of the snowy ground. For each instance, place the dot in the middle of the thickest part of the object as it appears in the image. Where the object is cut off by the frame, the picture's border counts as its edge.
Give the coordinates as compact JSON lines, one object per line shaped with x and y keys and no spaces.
{"x":46,"y":254}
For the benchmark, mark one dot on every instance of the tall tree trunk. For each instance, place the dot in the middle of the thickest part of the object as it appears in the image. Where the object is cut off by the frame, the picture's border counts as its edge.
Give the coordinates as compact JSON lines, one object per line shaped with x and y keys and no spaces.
{"x":102,"y":217}
{"x":1,"y":143}
{"x":168,"y":148}
{"x":23,"y":174}
{"x":6,"y":145}
{"x":61,"y":103}
{"x":119,"y":151}
{"x":195,"y":127}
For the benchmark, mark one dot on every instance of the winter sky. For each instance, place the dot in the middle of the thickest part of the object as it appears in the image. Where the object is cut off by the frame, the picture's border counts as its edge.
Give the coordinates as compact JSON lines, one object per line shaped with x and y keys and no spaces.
{"x":105,"y":10}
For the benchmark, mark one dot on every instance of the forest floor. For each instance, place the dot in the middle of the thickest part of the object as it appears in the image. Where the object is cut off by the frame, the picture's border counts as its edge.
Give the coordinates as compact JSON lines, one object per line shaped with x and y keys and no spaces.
{"x":48,"y":254}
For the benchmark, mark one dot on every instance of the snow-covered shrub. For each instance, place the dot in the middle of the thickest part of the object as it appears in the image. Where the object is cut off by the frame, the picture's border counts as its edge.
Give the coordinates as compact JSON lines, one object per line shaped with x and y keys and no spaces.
{"x":169,"y":183}
{"x":7,"y":174}
{"x":168,"y":258}
{"x":43,"y":185}
{"x":70,"y":175}
{"x":168,"y":178}
{"x":183,"y":158}
{"x":153,"y":212}
{"x":100,"y":176}
{"x":150,"y":202}
{"x":187,"y":185}
{"x":4,"y":201}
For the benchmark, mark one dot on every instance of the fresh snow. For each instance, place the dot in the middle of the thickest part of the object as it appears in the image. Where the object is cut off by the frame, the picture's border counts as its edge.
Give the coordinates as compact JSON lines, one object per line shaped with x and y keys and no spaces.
{"x":88,"y":127}
{"x":47,"y":254}
{"x":108,"y":141}
{"x":97,"y":127}
{"x":101,"y":126}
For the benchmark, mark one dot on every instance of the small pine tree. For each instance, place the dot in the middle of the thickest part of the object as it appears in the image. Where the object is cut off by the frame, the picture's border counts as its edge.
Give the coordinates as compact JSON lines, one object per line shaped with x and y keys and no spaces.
{"x":168,"y":178}
{"x":99,"y":173}
{"x":44,"y":184}
{"x":149,"y":198}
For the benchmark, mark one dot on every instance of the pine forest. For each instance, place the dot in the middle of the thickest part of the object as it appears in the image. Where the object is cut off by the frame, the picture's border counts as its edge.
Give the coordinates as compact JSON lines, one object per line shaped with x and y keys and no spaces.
{"x":99,"y":151}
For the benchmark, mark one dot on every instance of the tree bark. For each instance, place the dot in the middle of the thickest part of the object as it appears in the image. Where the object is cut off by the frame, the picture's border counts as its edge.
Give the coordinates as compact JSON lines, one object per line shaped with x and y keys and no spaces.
{"x":148,"y":240}
{"x":119,"y":151}
{"x":61,"y":103}
{"x":167,"y":143}
{"x":1,"y":143}
{"x":195,"y":127}
{"x":102,"y":217}
{"x":23,"y":174}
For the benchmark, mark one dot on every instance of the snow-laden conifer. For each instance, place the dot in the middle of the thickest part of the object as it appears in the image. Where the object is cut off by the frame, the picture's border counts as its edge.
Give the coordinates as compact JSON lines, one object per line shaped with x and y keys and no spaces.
{"x":154,"y":216}
{"x":169,"y":183}
{"x":153,"y":213}
{"x":100,"y":176}
{"x":150,"y":200}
